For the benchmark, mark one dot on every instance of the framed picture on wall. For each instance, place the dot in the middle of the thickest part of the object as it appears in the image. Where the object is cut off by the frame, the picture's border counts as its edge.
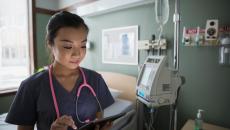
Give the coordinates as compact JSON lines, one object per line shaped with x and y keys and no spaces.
{"x":120,"y":45}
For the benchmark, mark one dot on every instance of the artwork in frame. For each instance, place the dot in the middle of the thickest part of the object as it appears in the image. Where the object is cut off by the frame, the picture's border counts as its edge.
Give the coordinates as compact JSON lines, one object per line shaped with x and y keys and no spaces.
{"x":120,"y":45}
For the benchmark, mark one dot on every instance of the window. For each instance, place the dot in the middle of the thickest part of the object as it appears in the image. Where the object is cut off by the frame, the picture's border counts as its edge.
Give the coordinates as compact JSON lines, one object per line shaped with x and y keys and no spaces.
{"x":15,"y":52}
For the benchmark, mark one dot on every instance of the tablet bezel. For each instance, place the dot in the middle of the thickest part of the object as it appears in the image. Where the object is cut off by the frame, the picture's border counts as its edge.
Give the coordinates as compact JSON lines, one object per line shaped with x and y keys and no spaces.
{"x":101,"y":122}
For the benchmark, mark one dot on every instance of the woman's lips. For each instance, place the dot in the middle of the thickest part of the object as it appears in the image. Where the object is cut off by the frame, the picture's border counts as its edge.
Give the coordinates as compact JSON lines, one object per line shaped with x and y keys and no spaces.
{"x":75,"y":62}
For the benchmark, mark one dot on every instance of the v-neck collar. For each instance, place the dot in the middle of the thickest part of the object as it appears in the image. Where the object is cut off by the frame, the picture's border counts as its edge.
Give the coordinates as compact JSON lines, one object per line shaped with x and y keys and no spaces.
{"x":58,"y":85}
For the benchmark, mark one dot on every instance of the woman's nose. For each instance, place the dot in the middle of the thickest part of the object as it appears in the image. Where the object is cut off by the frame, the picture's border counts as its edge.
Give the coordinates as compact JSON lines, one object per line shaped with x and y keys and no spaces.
{"x":76,"y":52}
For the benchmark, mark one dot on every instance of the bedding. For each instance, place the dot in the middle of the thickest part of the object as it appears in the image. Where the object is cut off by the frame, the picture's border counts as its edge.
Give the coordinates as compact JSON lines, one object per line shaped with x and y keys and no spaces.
{"x":119,"y":106}
{"x":5,"y":126}
{"x":115,"y":93}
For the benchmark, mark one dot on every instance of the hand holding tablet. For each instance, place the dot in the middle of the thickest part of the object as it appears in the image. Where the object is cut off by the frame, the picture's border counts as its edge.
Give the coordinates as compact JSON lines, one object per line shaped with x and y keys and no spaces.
{"x":101,"y":122}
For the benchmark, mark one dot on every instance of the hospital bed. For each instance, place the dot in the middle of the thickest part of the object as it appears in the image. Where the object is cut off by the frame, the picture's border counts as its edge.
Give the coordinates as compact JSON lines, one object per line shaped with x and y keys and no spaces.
{"x":122,"y":88}
{"x":125,"y":101}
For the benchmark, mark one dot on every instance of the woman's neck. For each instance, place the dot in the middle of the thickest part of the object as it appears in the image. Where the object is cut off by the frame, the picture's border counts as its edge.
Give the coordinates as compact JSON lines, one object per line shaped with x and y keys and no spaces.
{"x":65,"y":76}
{"x":62,"y":71}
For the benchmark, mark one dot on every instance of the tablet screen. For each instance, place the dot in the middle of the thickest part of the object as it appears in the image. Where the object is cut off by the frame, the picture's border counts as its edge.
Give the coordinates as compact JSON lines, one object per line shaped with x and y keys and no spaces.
{"x":101,"y":122}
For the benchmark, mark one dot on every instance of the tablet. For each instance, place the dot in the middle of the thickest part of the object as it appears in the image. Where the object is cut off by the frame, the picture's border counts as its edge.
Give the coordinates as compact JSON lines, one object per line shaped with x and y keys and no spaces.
{"x":101,"y":122}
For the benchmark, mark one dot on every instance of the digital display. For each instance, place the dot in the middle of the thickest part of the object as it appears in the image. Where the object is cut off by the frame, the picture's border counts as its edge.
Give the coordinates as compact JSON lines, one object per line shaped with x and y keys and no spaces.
{"x":153,"y":60}
{"x":145,"y":76}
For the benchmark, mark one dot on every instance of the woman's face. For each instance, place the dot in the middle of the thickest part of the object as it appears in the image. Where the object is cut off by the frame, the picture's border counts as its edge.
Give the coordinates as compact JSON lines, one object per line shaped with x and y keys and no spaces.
{"x":69,"y":47}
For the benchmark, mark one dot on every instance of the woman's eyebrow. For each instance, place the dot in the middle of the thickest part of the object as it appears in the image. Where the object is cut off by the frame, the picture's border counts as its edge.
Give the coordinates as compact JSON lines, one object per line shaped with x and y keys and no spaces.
{"x":84,"y":40}
{"x":65,"y":40}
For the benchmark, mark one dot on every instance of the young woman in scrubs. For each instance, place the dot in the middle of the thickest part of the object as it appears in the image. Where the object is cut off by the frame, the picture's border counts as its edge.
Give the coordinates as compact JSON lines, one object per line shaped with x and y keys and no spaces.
{"x":51,"y":99}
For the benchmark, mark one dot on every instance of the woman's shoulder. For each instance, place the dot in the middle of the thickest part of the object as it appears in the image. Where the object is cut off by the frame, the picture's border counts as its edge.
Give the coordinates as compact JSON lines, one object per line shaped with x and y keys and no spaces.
{"x":36,"y":78}
{"x":33,"y":84}
{"x":90,"y":72}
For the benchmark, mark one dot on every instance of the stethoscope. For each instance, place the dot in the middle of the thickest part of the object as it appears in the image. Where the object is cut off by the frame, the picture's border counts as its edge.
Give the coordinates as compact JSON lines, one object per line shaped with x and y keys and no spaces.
{"x":84,"y":84}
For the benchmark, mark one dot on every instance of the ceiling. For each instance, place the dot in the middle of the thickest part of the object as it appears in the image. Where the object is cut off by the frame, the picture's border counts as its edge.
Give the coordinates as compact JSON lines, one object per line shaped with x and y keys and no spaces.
{"x":60,"y":4}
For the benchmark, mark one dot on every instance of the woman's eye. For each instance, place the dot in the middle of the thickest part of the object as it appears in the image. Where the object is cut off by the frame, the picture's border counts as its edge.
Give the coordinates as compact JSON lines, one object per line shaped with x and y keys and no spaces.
{"x":67,"y":47}
{"x":83,"y":46}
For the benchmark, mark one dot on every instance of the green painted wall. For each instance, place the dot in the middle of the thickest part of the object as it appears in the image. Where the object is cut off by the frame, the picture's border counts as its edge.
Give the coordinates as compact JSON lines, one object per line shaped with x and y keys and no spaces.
{"x":207,"y":84}
{"x":143,"y":16}
{"x":42,"y":57}
{"x":5,"y":102}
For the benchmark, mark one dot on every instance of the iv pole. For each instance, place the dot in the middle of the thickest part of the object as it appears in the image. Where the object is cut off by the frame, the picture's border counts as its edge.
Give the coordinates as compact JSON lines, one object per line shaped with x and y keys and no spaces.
{"x":176,"y":20}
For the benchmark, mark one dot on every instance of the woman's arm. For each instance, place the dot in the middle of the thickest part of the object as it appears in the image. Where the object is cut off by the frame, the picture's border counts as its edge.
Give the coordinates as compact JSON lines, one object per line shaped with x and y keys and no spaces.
{"x":23,"y":127}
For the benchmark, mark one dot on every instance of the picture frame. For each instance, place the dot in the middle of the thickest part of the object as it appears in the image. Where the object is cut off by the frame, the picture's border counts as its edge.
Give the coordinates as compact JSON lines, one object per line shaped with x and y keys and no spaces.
{"x":120,"y":45}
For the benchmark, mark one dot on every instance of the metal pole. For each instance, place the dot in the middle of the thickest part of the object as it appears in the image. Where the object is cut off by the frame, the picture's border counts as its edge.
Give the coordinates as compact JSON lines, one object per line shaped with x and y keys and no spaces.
{"x":176,"y":19}
{"x":175,"y":119}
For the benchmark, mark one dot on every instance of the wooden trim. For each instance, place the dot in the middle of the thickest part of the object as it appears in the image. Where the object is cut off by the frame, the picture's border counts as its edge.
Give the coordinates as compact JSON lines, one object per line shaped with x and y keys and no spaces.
{"x":8,"y":92}
{"x":45,"y":11}
{"x":32,"y":39}
{"x":32,"y":46}
{"x":33,"y":35}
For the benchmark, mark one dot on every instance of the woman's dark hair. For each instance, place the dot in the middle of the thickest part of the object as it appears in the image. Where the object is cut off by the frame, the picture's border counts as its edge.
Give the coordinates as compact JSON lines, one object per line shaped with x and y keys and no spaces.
{"x":62,"y":19}
{"x":59,"y":20}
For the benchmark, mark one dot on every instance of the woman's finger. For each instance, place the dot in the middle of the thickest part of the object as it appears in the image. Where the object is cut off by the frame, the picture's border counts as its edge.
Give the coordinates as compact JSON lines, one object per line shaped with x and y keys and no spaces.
{"x":68,"y":120}
{"x":65,"y":121}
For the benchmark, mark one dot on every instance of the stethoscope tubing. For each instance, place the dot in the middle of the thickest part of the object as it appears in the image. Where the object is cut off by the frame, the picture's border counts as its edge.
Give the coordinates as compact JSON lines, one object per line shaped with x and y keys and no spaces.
{"x":52,"y":92}
{"x":84,"y":84}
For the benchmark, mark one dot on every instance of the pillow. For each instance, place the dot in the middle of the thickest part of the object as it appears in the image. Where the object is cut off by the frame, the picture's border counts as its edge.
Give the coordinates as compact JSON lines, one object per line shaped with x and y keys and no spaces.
{"x":115,"y":93}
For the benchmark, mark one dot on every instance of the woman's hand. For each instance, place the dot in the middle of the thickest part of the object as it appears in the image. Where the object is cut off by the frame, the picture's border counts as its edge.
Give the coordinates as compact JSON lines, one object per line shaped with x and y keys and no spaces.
{"x":107,"y":126}
{"x":62,"y":123}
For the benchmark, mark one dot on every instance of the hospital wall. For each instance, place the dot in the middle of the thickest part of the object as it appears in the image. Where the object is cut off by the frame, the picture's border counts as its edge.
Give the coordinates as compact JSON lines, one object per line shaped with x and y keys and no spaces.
{"x":207,"y":84}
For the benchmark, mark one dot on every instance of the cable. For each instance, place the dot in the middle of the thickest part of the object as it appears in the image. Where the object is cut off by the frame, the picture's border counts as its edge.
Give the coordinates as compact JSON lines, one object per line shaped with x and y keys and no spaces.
{"x":137,"y":111}
{"x":173,"y":112}
{"x":171,"y":117}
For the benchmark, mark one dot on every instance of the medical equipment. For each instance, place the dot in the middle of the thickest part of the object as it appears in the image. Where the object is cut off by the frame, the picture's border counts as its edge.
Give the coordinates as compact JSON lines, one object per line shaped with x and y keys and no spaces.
{"x":197,"y":37}
{"x":84,"y":84}
{"x":176,"y":20}
{"x":148,"y":44}
{"x":162,"y":16}
{"x":211,"y":30}
{"x":162,"y":11}
{"x":224,"y":51}
{"x":156,"y":84}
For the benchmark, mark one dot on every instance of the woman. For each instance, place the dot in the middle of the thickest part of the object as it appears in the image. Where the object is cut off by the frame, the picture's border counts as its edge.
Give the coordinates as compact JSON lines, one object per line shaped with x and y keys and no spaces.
{"x":49,"y":98}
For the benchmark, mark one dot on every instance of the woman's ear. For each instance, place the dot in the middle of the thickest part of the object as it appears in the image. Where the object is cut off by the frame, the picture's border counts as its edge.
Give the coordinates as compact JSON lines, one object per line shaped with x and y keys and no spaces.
{"x":49,"y":46}
{"x":50,"y":51}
